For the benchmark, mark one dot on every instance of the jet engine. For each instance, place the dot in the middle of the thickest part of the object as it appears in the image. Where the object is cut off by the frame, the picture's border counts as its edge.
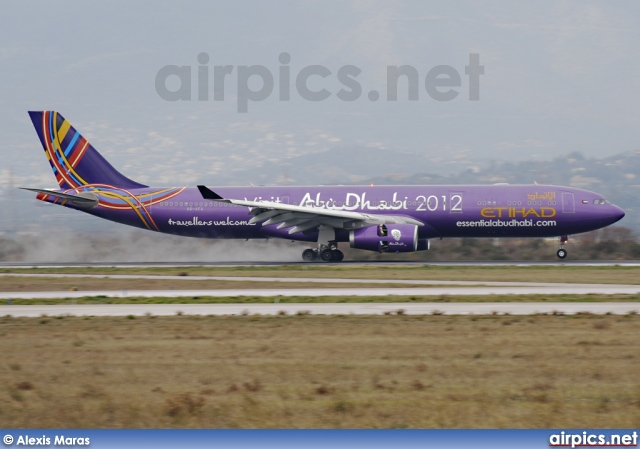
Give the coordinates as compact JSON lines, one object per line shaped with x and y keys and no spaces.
{"x":392,"y":238}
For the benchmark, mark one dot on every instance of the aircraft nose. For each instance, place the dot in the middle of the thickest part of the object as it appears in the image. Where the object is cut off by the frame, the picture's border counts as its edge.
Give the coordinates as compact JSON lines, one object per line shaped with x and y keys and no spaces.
{"x":616,"y":214}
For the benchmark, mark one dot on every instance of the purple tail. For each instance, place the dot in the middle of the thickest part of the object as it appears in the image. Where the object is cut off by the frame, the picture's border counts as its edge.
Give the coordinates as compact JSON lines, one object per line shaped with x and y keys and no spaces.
{"x":74,"y":161}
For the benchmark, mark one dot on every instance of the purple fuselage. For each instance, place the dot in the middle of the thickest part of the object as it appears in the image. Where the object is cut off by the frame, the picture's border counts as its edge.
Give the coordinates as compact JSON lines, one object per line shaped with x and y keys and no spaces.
{"x":446,"y":211}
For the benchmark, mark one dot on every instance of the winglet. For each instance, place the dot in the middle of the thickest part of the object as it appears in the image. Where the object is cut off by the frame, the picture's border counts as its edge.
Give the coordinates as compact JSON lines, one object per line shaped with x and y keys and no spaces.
{"x":209,"y":194}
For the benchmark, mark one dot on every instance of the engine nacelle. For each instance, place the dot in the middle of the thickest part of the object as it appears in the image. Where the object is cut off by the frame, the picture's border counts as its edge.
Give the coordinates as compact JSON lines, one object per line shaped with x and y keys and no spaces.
{"x":392,"y":238}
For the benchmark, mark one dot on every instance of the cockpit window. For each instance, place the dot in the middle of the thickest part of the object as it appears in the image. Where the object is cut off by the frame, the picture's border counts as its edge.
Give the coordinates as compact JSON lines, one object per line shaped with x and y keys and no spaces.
{"x":600,"y":201}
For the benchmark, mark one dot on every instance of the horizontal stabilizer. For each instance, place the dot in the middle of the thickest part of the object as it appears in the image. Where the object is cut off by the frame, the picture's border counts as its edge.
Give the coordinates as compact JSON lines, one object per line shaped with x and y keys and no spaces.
{"x":84,"y":200}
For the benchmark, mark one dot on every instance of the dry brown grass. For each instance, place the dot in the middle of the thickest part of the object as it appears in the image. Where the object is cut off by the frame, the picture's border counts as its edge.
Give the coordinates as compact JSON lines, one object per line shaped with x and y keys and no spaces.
{"x":53,"y":283}
{"x":316,"y":371}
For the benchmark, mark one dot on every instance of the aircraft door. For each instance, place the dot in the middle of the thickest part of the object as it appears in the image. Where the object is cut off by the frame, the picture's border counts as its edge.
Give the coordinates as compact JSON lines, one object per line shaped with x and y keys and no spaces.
{"x":568,"y":204}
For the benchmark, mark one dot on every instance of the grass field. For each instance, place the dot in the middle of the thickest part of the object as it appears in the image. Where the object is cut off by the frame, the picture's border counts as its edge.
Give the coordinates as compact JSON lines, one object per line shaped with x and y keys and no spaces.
{"x":5,"y":308}
{"x":53,"y":283}
{"x":316,"y":371}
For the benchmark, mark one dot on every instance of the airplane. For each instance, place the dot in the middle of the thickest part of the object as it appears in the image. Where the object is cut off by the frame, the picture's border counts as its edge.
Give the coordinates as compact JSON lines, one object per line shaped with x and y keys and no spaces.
{"x":385,"y":219}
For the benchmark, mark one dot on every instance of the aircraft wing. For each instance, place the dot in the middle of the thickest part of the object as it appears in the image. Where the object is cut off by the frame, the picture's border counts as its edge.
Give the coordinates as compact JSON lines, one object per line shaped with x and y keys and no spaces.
{"x":306,"y":218}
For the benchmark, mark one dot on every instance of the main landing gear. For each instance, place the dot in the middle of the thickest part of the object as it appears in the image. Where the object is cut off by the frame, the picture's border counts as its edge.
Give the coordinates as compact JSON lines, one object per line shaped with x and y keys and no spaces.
{"x":562,"y":253}
{"x":327,"y":247}
{"x":324,"y":253}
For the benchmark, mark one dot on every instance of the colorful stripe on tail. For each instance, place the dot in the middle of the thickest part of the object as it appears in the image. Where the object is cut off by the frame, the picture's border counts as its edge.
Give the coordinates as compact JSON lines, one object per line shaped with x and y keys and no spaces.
{"x":74,"y":161}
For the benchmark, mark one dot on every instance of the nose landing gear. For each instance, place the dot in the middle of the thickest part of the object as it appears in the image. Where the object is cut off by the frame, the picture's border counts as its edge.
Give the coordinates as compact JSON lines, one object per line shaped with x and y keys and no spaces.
{"x":562,"y":253}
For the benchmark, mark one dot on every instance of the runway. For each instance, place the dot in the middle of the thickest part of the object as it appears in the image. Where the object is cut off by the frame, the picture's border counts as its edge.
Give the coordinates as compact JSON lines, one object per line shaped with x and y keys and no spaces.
{"x":429,"y":308}
{"x":354,"y":263}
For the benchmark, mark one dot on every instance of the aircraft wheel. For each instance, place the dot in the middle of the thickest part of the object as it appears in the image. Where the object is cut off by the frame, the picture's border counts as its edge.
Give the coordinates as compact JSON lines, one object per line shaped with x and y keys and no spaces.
{"x":326,"y":255}
{"x":562,"y":253}
{"x":309,"y":255}
{"x":338,"y":255}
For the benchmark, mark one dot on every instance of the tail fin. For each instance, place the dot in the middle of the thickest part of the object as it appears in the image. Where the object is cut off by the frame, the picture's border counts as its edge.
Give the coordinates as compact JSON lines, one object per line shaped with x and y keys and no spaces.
{"x":73,"y":159}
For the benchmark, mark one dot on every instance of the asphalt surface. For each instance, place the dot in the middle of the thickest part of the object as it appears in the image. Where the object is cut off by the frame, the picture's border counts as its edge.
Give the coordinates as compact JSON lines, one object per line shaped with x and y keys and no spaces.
{"x":481,"y":263}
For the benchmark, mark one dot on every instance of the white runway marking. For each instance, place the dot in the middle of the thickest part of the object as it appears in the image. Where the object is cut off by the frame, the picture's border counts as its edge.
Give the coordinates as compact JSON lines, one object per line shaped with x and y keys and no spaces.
{"x":617,"y":308}
{"x":562,"y":289}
